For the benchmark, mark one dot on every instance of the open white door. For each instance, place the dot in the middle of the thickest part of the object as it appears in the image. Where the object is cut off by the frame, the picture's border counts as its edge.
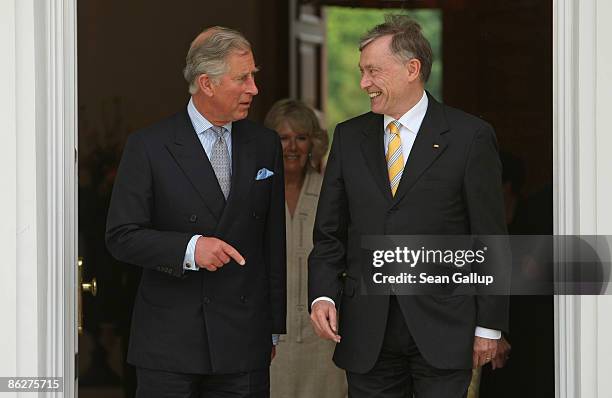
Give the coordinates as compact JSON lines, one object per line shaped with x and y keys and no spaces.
{"x":58,"y":118}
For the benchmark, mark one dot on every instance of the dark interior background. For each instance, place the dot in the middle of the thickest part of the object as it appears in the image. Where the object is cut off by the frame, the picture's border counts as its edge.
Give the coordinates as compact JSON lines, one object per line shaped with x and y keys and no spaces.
{"x":497,"y":63}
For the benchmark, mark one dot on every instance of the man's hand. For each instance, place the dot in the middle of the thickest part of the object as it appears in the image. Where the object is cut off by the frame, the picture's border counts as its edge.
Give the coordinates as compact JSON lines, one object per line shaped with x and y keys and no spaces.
{"x":324,"y":321}
{"x":503,"y":354}
{"x":484,"y":351}
{"x":213,"y":253}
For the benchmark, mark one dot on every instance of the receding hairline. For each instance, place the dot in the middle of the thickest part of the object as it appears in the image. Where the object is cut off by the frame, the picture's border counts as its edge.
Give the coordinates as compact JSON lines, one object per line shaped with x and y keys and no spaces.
{"x":371,"y":40}
{"x":205,"y":34}
{"x":388,"y":49}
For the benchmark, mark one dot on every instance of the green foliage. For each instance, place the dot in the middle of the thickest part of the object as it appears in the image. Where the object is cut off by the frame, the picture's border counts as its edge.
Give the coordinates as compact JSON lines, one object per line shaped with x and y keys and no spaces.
{"x":345,"y":26}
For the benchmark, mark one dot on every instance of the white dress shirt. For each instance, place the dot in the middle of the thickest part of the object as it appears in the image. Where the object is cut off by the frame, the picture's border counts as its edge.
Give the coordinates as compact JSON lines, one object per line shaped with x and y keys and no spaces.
{"x":207,"y":138}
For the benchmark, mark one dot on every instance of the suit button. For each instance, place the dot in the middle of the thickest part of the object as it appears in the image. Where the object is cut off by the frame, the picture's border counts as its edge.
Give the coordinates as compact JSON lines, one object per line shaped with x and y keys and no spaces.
{"x":193,"y":218}
{"x":206,"y":300}
{"x":255,"y":216}
{"x":243,"y":299}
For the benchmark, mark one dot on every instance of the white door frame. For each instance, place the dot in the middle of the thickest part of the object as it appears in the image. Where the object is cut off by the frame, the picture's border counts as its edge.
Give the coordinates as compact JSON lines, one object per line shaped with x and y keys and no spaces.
{"x":575,"y":30}
{"x":56,"y":72}
{"x":38,"y":192}
{"x":62,"y":163}
{"x":575,"y":169}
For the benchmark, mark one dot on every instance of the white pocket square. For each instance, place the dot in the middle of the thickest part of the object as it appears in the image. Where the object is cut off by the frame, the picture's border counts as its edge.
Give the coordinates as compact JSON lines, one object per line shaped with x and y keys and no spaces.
{"x":264,"y":173}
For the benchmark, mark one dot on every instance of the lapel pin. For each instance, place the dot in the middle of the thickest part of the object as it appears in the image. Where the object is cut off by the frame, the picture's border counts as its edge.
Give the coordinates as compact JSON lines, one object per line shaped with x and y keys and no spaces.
{"x":436,"y":146}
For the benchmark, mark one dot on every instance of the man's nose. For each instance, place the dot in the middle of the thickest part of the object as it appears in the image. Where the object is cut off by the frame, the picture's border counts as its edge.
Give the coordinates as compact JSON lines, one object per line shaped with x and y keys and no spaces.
{"x":252,"y":89}
{"x":364,"y":82}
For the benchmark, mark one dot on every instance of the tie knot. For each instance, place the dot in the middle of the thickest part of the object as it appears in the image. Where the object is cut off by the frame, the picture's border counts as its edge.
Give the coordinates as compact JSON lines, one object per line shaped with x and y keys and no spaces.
{"x":394,"y":127}
{"x":218,"y":130}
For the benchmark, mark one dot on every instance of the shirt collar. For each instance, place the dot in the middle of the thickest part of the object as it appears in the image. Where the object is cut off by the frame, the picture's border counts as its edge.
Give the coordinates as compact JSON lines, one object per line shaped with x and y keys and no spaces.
{"x":199,"y":122}
{"x":414,"y":117}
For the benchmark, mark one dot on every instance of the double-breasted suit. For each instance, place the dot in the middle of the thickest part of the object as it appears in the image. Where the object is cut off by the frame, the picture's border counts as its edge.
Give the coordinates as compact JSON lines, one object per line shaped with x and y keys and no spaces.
{"x":451,"y":184}
{"x":201,"y":322}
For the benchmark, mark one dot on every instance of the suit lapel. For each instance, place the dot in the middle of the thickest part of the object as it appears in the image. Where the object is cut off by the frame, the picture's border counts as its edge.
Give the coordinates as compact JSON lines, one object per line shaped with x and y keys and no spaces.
{"x":191,"y":158}
{"x":243,"y":173}
{"x":429,"y":144}
{"x":373,"y":149}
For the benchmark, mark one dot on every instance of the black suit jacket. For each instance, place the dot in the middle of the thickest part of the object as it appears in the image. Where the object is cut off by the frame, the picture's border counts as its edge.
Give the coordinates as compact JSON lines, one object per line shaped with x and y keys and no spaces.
{"x":165,"y":192}
{"x":451,"y":188}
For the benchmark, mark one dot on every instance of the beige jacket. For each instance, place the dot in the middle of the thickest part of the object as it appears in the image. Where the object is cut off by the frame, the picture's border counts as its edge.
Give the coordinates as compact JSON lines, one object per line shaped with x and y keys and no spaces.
{"x":303,"y":364}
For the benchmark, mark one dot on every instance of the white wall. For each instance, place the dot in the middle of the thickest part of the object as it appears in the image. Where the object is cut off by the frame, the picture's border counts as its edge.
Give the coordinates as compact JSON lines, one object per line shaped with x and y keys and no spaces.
{"x":583,"y":171}
{"x":19,"y":206}
{"x":37,"y":202}
{"x":603,"y":115}
{"x":8,"y":198}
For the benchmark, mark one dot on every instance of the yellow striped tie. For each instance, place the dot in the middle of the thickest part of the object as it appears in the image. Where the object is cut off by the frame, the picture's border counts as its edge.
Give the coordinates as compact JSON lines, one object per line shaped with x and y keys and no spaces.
{"x":395,"y":157}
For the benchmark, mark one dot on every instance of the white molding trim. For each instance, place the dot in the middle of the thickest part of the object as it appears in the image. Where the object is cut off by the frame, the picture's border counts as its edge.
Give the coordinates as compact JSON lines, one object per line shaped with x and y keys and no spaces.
{"x":563,"y":200}
{"x":9,"y":198}
{"x":58,"y":77}
{"x":575,"y":183}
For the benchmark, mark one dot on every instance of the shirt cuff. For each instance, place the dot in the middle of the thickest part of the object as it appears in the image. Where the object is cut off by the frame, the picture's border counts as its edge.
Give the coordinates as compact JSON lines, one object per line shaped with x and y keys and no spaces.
{"x":275,"y":338}
{"x":189,"y":263}
{"x":322,"y":298}
{"x":488,"y":333}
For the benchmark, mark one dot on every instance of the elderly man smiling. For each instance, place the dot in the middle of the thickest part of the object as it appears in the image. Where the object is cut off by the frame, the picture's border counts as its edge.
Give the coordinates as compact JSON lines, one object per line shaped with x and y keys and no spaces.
{"x":412,"y":166}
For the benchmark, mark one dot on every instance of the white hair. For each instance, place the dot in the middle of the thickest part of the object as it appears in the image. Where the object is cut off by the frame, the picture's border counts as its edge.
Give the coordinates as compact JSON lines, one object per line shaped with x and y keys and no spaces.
{"x":208,"y":56}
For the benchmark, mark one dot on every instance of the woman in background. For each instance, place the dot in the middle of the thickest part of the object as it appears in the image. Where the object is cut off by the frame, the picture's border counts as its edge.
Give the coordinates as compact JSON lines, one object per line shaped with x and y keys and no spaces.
{"x":303,"y":366}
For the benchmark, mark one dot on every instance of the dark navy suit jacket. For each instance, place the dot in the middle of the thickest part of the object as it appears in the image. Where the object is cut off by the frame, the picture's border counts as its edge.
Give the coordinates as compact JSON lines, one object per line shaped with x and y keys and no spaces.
{"x":165,"y":192}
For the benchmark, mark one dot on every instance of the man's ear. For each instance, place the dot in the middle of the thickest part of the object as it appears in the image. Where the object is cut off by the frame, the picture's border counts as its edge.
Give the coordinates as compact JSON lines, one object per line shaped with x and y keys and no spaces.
{"x":206,"y":85}
{"x":414,"y":69}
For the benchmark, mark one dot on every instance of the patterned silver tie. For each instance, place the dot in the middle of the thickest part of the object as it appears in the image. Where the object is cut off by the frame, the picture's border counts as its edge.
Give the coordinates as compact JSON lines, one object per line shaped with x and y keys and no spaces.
{"x":220,"y":160}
